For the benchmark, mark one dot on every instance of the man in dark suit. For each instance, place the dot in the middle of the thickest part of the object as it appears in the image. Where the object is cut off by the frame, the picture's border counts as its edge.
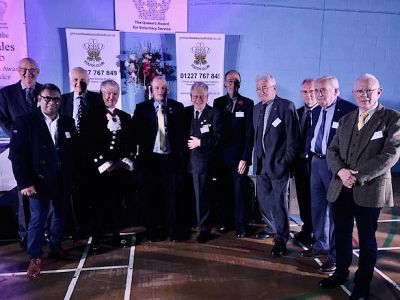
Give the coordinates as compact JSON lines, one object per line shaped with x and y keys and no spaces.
{"x":308,"y":116}
{"x":204,"y":129}
{"x":43,"y":159}
{"x":332,"y":109}
{"x":235,"y":157}
{"x":109,"y":138}
{"x":16,"y":100}
{"x":276,"y":145}
{"x":77,"y":104}
{"x":159,"y":134}
{"x":366,"y":146}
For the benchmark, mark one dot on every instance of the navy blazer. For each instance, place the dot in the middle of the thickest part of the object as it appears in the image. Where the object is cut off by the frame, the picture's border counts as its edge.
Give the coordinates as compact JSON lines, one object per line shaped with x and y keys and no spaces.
{"x":200,"y":159}
{"x":93,"y":100}
{"x":37,"y":161}
{"x":281,"y":138}
{"x":146,"y":126}
{"x":314,"y":119}
{"x":237,"y":130}
{"x":13,"y":104}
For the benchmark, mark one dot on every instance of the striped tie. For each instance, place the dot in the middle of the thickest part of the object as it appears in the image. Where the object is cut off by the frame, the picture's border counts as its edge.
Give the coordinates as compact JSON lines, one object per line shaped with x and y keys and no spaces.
{"x":79,"y":115}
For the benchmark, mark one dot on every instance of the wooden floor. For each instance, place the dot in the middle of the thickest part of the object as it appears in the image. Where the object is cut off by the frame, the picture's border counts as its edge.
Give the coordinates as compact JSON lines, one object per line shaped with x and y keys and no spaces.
{"x":224,"y":268}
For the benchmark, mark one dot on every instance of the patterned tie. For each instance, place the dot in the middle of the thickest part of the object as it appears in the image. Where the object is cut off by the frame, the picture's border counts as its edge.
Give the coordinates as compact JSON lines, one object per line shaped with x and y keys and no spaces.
{"x":361,"y":120}
{"x":305,"y":133}
{"x":231,"y":104}
{"x":320,"y":136}
{"x":161,"y":128}
{"x":79,"y":114}
{"x":260,"y":130}
{"x":29,"y":97}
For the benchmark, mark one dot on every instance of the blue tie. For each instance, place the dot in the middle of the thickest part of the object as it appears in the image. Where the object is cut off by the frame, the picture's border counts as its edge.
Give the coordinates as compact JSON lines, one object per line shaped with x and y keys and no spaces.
{"x":320,"y":136}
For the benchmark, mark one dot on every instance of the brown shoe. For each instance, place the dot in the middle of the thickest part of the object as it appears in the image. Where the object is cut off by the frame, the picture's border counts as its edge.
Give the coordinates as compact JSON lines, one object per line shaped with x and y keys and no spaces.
{"x":34,"y":267}
{"x":313,"y":253}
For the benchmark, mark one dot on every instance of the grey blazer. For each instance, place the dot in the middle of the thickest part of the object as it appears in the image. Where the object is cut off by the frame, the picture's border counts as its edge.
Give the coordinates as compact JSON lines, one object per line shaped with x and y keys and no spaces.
{"x":378,"y":153}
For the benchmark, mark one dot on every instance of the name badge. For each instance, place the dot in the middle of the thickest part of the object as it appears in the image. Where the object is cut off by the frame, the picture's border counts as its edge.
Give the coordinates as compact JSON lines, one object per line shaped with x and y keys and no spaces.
{"x":239,"y":114}
{"x":68,"y":135}
{"x":205,"y":128}
{"x":335,"y":125}
{"x":377,"y":135}
{"x":276,"y":122}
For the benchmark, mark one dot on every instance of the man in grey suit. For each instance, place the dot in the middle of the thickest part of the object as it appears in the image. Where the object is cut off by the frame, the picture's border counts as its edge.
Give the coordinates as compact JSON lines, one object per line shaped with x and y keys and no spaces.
{"x":15,"y":100}
{"x":276,"y":145}
{"x":366,"y":146}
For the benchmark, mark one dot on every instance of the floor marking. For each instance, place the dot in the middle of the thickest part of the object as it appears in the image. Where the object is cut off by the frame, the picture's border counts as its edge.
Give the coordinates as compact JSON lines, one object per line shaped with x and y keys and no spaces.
{"x":78,"y":271}
{"x":387,"y":221}
{"x":384,"y":276}
{"x":130,"y":274}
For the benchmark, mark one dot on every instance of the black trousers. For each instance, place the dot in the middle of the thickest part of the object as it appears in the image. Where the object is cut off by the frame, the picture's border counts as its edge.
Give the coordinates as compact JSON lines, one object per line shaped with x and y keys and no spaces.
{"x":345,"y":210}
{"x":302,"y":180}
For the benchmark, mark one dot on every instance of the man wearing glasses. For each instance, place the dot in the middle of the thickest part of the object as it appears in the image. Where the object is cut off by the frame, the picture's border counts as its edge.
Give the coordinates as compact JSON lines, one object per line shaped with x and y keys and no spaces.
{"x":234,"y":158}
{"x":15,"y":100}
{"x":42,"y":153}
{"x":332,"y":109}
{"x":364,"y":149}
{"x":276,"y":146}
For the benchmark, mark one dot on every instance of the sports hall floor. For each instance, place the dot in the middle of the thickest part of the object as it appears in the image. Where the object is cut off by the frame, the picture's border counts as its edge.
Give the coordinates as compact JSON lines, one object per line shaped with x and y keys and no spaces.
{"x":223,"y":268}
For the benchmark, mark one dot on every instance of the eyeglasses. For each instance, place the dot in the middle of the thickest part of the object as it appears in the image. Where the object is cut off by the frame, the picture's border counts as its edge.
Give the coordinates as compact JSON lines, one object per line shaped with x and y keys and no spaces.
{"x":47,"y":99}
{"x":361,"y":92}
{"x":309,"y":92}
{"x":263,"y":89}
{"x":232,"y":81}
{"x":322,"y":91}
{"x":30,"y":70}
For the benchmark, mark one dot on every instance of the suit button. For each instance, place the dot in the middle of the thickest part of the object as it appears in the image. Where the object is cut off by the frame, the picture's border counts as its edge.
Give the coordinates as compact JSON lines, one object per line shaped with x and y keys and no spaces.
{"x":43,"y":146}
{"x":41,"y":176}
{"x":42,"y":162}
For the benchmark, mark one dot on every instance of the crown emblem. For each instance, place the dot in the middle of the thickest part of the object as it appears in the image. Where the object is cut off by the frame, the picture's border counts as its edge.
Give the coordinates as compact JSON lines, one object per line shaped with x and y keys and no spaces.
{"x":3,"y":9}
{"x":93,"y":48}
{"x":200,"y":52}
{"x":152,"y":9}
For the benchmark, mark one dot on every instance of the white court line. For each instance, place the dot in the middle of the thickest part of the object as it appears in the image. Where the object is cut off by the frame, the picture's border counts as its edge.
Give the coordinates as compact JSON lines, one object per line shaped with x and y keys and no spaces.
{"x":384,"y":276}
{"x":386,"y":221}
{"x":74,"y":280}
{"x":130,"y":274}
{"x":64,"y":270}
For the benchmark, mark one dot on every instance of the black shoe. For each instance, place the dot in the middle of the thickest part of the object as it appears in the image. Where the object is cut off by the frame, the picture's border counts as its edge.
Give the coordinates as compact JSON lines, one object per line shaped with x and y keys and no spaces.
{"x":264,"y":235}
{"x":303,"y":238}
{"x":360,"y":292}
{"x":312,"y":253}
{"x":204,"y":236}
{"x":278,"y":250}
{"x":328,"y":266}
{"x":240,"y":232}
{"x":334,"y":281}
{"x":222,"y":229}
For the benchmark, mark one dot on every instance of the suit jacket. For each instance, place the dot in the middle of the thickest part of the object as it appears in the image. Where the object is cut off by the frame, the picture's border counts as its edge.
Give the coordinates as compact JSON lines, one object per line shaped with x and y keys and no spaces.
{"x":378,"y":153}
{"x":237,"y":130}
{"x":13,"y":104}
{"x":93,"y":100}
{"x":103,"y":144}
{"x":146,"y":126}
{"x":37,"y":161}
{"x":305,"y":148}
{"x":342,"y":107}
{"x":208,"y":128}
{"x":281,"y":138}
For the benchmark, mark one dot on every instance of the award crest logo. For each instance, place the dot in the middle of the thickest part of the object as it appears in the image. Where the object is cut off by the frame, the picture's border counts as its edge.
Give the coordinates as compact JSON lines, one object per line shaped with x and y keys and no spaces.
{"x":200,"y":52}
{"x":152,"y":9}
{"x":3,"y":9}
{"x":93,"y":48}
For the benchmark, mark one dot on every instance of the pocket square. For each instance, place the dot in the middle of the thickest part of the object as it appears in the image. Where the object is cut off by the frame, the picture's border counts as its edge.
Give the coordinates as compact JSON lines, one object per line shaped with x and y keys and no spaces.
{"x":377,"y":135}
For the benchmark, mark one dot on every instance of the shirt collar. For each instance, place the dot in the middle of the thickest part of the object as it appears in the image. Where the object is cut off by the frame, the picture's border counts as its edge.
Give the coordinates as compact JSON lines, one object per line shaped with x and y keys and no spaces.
{"x":48,"y":120}
{"x":25,"y":87}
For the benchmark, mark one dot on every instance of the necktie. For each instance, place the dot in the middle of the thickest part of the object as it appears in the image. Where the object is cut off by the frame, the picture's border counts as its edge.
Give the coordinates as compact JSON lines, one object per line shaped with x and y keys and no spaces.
{"x":259,"y":134}
{"x":320,"y":136}
{"x":79,"y":114}
{"x":305,"y":133}
{"x":231,"y":104}
{"x":161,"y":128}
{"x":361,"y":120}
{"x":29,"y":97}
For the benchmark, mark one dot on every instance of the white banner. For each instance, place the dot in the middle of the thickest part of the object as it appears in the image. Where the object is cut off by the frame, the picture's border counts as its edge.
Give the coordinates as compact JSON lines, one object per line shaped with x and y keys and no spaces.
{"x":12,"y":39}
{"x":200,"y":57}
{"x":162,"y":16}
{"x":98,"y":52}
